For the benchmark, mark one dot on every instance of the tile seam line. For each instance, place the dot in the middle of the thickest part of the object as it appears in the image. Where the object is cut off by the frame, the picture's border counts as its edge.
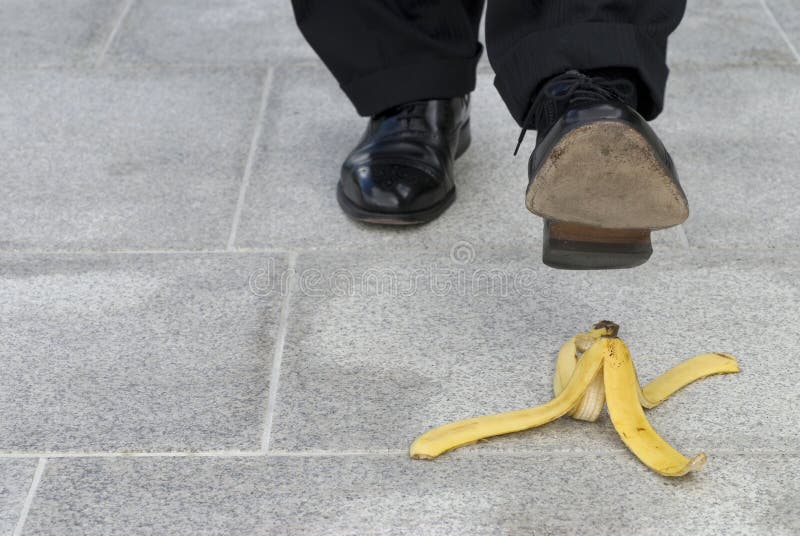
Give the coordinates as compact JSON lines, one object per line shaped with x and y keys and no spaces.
{"x":43,"y":252}
{"x":782,"y":33}
{"x":360,"y":452}
{"x":258,"y":130}
{"x":277,"y":354}
{"x":513,"y":452}
{"x":26,"y":506}
{"x":155,"y":454}
{"x":114,"y":32}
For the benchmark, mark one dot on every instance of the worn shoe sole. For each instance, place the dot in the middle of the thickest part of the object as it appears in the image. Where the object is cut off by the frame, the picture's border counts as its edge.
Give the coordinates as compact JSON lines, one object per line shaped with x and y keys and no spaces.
{"x":602,"y":189}
{"x":429,"y":214}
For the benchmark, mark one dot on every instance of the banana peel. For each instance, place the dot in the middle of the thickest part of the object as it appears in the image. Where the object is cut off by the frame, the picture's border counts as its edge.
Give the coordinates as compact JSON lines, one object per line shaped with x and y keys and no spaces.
{"x":594,"y":369}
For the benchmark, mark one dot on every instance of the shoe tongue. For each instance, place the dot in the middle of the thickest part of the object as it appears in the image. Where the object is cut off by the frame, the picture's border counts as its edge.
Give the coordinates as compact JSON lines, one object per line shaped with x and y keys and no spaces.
{"x":575,"y":89}
{"x":558,"y":88}
{"x":572,"y":89}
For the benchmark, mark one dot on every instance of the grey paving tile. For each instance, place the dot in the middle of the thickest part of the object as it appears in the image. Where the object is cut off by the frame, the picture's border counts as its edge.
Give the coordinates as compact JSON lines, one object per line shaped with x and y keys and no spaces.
{"x":787,"y":12}
{"x":42,"y":32}
{"x":733,"y":135}
{"x":15,"y":481}
{"x":135,"y":353}
{"x":210,"y":32}
{"x":383,"y":346}
{"x":123,"y":159}
{"x":310,"y":129}
{"x":548,"y":494}
{"x":727,"y":32}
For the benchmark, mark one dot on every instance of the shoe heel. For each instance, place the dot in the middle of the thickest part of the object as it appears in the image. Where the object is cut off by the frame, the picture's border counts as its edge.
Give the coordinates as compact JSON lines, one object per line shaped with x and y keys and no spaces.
{"x":572,"y":246}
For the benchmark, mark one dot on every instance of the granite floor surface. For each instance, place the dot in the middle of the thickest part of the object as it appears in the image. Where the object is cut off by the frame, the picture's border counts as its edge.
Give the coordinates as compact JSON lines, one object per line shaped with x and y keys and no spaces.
{"x":196,"y":341}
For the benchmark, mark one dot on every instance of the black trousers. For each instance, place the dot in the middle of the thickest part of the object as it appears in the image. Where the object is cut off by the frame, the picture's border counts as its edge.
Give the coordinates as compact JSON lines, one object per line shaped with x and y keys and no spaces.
{"x":387,"y":52}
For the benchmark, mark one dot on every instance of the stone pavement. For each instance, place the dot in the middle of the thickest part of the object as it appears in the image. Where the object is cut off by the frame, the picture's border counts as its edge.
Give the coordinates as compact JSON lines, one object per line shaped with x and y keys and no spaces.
{"x":195,"y":341}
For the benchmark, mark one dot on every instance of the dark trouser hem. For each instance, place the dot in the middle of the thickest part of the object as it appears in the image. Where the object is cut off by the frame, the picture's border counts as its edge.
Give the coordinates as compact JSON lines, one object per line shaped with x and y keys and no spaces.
{"x":594,"y":45}
{"x":431,"y":79}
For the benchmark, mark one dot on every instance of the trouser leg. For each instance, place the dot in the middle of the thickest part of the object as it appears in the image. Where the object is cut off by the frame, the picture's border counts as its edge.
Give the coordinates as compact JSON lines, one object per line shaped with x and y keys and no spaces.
{"x":388,"y":52}
{"x":529,"y":41}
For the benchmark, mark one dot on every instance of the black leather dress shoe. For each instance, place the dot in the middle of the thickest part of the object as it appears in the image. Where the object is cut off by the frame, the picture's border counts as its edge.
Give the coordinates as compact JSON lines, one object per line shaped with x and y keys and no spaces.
{"x":599,"y":175}
{"x":401,"y":171}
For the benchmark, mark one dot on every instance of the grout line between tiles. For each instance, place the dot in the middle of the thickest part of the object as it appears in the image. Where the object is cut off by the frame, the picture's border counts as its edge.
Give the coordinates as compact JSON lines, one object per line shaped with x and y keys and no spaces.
{"x":26,"y":507}
{"x":782,"y":33}
{"x":141,"y":251}
{"x":277,"y":354}
{"x":166,"y":454}
{"x":537,"y":452}
{"x":322,"y":453}
{"x":251,"y":156}
{"x":114,"y":31}
{"x":332,"y":453}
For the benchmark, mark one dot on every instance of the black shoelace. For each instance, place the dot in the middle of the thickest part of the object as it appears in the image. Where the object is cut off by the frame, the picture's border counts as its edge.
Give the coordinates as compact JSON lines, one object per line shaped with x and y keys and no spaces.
{"x":571,"y":89}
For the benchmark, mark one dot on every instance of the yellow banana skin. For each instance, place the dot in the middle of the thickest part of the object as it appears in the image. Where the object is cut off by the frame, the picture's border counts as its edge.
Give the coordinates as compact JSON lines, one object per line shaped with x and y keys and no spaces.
{"x":622,"y":393}
{"x":687,"y":372}
{"x":593,"y":369}
{"x":591,"y":403}
{"x":468,"y":431}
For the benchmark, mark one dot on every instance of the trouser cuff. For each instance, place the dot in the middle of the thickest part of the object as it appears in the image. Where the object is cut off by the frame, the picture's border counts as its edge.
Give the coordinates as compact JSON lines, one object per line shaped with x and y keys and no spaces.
{"x":431,"y":79}
{"x":541,"y":55}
